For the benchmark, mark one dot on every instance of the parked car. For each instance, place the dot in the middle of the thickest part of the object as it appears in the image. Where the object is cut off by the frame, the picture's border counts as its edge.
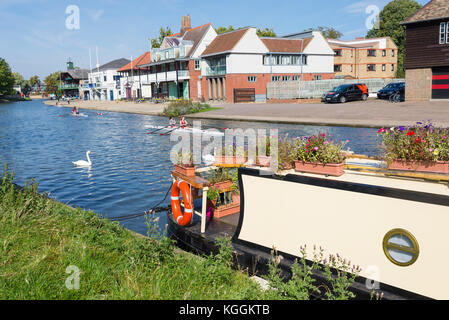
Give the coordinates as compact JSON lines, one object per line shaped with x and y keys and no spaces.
{"x":390,"y":89}
{"x":346,"y":92}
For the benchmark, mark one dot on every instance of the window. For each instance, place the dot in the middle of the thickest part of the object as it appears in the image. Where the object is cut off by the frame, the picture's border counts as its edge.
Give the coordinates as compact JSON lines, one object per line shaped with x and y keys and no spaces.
{"x":105,"y":78}
{"x":384,"y":67}
{"x":392,"y":53}
{"x":392,"y":67}
{"x":337,"y":68}
{"x":266,"y":60}
{"x":286,"y":78}
{"x":352,"y":68}
{"x":304,"y":60}
{"x":352,"y":53}
{"x":384,"y":53}
{"x":286,"y":60}
{"x":296,"y":78}
{"x":401,"y":247}
{"x":276,"y":78}
{"x":252,"y":79}
{"x":371,"y":52}
{"x":371,"y":67}
{"x":197,"y":65}
{"x":317,"y":77}
{"x":338,"y":52}
{"x":447,"y":32}
{"x":442,"y":32}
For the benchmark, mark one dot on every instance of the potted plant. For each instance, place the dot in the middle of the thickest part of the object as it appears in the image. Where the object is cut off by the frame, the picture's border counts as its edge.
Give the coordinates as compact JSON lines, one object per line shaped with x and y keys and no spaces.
{"x":421,"y":147}
{"x":286,"y":154}
{"x":184,"y":164}
{"x":222,"y":186}
{"x":232,"y":155}
{"x":316,"y":154}
{"x":264,"y":160}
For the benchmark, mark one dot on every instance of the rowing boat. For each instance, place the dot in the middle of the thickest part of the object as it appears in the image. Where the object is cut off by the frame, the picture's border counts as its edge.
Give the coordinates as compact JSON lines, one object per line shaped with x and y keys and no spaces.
{"x":169,"y":129}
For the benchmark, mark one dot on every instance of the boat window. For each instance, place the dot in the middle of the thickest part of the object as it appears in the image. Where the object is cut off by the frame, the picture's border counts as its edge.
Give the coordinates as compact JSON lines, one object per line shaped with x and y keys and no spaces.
{"x":401,"y":247}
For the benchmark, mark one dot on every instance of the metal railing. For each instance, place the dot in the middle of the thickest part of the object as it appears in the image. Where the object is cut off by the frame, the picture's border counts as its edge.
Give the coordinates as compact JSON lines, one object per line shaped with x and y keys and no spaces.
{"x":216,"y":71}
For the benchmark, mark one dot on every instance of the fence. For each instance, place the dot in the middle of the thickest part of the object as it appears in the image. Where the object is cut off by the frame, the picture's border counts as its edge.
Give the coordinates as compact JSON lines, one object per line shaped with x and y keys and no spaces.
{"x":315,"y":89}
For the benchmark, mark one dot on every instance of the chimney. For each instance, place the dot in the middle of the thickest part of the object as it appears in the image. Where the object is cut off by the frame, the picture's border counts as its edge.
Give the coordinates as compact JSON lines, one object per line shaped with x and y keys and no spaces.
{"x":185,"y":24}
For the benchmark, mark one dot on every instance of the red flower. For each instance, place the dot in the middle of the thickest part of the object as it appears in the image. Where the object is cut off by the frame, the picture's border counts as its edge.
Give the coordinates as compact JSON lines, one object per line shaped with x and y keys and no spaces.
{"x":418,"y":140}
{"x":411,"y":133}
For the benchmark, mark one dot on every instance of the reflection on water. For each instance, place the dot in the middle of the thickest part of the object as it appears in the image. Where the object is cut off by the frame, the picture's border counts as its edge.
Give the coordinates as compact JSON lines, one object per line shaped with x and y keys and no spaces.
{"x":130,"y":170}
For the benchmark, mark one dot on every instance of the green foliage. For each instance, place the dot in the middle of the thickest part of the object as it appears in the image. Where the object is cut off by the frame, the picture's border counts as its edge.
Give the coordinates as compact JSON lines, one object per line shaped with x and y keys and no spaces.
{"x":339,"y":276}
{"x":52,"y":83}
{"x":419,"y":142}
{"x":318,"y":149}
{"x":286,"y":153}
{"x":328,"y":32}
{"x":266,"y":32}
{"x":6,"y":78}
{"x":390,"y":19}
{"x":220,"y":30}
{"x":182,"y":107}
{"x":156,"y":42}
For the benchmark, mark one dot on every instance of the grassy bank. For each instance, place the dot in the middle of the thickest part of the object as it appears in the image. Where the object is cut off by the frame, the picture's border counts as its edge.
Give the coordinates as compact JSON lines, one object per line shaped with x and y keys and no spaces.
{"x":183,"y":107}
{"x":43,"y":244}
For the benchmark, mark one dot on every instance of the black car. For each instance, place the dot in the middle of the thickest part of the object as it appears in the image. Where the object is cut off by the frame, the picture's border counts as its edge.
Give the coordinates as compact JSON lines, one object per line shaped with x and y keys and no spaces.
{"x":346,"y":92}
{"x":391,"y":89}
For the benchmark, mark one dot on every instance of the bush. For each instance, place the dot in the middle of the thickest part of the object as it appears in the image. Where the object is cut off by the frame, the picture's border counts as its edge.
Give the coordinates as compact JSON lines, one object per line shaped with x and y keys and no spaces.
{"x":182,"y":107}
{"x":318,"y":148}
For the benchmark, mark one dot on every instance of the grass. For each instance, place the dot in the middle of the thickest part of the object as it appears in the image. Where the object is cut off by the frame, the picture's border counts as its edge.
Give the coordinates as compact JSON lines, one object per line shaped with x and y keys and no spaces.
{"x":43,"y":241}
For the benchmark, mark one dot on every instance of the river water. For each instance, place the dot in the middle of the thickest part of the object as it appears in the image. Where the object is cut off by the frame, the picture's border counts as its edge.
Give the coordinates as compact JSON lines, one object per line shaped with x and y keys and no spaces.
{"x":130,"y":170}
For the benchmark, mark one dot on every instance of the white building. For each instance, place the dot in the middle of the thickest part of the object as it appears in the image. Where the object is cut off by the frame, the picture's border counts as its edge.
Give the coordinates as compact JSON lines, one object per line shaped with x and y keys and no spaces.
{"x":104,"y":82}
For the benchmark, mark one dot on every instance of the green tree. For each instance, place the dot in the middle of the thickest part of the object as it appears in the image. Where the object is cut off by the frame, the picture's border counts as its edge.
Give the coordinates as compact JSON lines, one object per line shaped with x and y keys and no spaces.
{"x":266,"y":33}
{"x":52,"y":83}
{"x":327,"y":32}
{"x":6,"y":78}
{"x":18,"y":78}
{"x":221,"y":30}
{"x":34,"y":80}
{"x":389,"y":25}
{"x":156,"y":42}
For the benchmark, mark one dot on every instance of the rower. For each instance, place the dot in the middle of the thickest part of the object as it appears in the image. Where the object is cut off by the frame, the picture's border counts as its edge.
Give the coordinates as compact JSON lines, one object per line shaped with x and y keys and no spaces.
{"x":172,"y":122}
{"x":183,"y":123}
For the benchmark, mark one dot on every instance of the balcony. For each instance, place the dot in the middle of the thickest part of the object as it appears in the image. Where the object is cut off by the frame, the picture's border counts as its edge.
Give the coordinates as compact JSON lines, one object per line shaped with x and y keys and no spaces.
{"x":216,"y":71}
{"x":167,"y":54}
{"x":69,"y":86}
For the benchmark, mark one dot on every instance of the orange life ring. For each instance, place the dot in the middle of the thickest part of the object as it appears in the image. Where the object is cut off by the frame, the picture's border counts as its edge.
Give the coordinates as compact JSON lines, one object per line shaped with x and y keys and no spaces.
{"x":182,"y":219}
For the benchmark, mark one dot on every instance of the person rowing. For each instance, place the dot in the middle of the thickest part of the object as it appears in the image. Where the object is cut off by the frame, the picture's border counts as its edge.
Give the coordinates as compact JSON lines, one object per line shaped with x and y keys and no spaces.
{"x":172,"y":122}
{"x":183,"y":123}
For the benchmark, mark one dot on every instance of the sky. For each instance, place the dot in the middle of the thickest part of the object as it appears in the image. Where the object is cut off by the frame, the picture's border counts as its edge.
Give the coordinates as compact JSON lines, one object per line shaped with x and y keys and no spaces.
{"x":39,"y":36}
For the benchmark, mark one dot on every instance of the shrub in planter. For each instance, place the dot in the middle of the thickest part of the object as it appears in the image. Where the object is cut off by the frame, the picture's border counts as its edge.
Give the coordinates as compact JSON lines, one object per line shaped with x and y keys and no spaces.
{"x":421,"y":147}
{"x":286,"y":154}
{"x":317,"y":154}
{"x":184,"y":164}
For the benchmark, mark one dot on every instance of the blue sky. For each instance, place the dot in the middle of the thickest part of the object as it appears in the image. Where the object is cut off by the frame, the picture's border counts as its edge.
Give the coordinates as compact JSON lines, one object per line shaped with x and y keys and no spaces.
{"x":35,"y":40}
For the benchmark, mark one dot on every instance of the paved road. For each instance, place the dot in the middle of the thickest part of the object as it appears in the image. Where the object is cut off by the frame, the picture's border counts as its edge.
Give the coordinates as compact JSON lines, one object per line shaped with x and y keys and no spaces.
{"x":372,"y":113}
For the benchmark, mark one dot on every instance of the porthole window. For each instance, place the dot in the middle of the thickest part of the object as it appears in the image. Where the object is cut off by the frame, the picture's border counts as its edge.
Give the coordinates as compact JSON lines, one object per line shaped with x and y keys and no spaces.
{"x":401,"y":247}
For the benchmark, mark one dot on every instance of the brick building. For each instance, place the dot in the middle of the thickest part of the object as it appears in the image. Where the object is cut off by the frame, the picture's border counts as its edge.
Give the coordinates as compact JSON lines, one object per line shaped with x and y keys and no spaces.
{"x":365,"y":58}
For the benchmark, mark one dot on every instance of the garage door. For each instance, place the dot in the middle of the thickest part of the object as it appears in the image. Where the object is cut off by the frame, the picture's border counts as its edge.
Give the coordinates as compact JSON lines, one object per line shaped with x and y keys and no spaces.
{"x":440,"y":83}
{"x":244,"y":95}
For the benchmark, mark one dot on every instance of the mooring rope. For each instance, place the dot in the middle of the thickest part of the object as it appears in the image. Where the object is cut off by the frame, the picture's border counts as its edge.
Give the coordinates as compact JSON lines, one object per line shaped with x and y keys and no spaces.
{"x":153,"y":210}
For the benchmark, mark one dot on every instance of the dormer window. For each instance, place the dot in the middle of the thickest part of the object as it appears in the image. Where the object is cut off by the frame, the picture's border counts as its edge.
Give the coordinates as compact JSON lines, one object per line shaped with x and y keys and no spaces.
{"x":443,"y":29}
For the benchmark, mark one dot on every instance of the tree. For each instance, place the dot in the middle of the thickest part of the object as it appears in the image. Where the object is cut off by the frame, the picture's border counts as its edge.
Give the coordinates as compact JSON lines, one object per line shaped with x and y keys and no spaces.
{"x":52,"y":83}
{"x":18,"y":78}
{"x":34,"y":80}
{"x":221,"y":30}
{"x":156,"y":42}
{"x":266,"y":33}
{"x":328,"y":32}
{"x":6,"y":78}
{"x":389,"y":25}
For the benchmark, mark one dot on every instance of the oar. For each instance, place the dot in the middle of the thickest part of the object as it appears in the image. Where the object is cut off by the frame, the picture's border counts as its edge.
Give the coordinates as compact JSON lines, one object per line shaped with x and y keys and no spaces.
{"x":163,"y":134}
{"x":157,"y":130}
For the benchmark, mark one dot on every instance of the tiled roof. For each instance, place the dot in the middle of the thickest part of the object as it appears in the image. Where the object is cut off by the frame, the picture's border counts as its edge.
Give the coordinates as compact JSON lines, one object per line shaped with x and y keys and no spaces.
{"x":434,"y":10}
{"x":115,"y":64}
{"x":195,"y":35}
{"x":286,"y":45}
{"x":225,"y":42}
{"x":136,"y":62}
{"x":78,"y":74}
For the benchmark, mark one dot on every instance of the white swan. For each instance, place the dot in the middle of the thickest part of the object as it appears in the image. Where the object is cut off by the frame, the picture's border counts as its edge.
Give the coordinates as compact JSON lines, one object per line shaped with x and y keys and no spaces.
{"x":82,"y":163}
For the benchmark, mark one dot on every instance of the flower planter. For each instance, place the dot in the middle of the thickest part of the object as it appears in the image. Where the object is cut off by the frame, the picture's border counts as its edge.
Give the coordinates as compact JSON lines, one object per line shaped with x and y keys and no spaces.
{"x":224,"y":186}
{"x":264,"y":161}
{"x":329,"y":169}
{"x":186,"y":171}
{"x":423,"y":166}
{"x":230,"y":160}
{"x":226,"y":210}
{"x":236,"y":199}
